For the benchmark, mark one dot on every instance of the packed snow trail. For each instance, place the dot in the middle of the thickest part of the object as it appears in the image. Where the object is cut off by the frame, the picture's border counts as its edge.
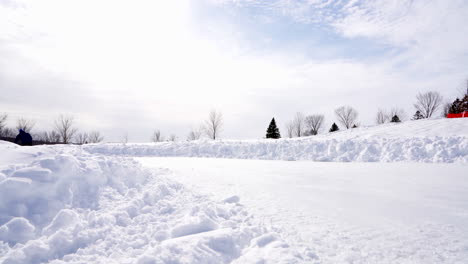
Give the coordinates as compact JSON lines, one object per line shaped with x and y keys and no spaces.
{"x":62,"y":205}
{"x":346,"y":212}
{"x":430,"y":141}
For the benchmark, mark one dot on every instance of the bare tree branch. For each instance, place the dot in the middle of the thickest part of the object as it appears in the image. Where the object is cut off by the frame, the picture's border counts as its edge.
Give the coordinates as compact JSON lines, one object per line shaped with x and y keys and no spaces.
{"x":125,"y":138}
{"x":446,"y":109}
{"x":382,"y":117}
{"x":428,"y":103}
{"x":346,"y":115}
{"x":313,"y":124}
{"x":290,"y":129}
{"x":298,"y":125}
{"x":95,"y":137}
{"x":25,"y":124}
{"x":173,"y":138}
{"x":214,"y":124}
{"x":3,"y":119}
{"x":82,"y":138}
{"x":65,"y":128}
{"x":156,"y":137}
{"x":194,"y":134}
{"x":8,"y":132}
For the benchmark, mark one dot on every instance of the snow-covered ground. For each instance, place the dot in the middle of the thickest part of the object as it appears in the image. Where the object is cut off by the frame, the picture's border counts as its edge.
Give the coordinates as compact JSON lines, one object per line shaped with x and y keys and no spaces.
{"x":115,"y":203}
{"x":62,"y":205}
{"x":346,"y":212}
{"x":439,"y":140}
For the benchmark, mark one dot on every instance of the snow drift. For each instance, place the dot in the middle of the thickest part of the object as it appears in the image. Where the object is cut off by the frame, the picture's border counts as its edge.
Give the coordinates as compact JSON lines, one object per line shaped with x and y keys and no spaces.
{"x":62,"y":205}
{"x":442,"y":140}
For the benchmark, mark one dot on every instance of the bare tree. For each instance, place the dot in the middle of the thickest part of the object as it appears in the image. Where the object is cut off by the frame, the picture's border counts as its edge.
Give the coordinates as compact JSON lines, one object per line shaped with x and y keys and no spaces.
{"x":95,"y":137}
{"x":313,"y":124}
{"x":172,"y":137}
{"x":43,"y":137}
{"x":54,"y":136}
{"x":428,"y":103}
{"x":400,"y":112}
{"x":82,"y":138}
{"x":48,"y":137}
{"x":194,"y":134}
{"x":156,"y":137}
{"x":290,"y":129}
{"x":65,"y":128}
{"x":25,"y":124}
{"x":298,"y":125}
{"x":8,"y":132}
{"x":382,"y":117}
{"x":214,"y":124}
{"x":125,"y":138}
{"x":346,"y":115}
{"x":3,"y":119}
{"x":446,"y":109}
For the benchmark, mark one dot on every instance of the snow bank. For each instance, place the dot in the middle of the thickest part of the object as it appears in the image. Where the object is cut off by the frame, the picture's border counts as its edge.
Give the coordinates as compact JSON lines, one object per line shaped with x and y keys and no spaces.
{"x":443,"y":140}
{"x":62,"y":205}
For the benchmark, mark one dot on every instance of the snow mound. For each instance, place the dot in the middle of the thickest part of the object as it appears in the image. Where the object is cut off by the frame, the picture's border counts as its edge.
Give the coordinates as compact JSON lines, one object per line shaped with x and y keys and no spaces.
{"x":442,"y":140}
{"x":67,"y":206}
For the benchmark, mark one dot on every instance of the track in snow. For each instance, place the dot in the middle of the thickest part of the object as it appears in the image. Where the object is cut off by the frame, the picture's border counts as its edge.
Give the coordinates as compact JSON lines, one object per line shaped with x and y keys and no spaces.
{"x":346,"y":212}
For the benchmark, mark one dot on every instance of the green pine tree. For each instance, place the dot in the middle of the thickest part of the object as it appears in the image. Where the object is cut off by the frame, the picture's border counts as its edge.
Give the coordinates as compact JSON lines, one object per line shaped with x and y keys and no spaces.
{"x":395,"y":119}
{"x":334,"y":128}
{"x":273,"y":131}
{"x":456,"y":107}
{"x":418,"y":116}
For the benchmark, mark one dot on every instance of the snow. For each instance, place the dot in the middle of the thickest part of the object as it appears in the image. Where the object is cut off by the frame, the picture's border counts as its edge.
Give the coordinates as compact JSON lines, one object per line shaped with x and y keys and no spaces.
{"x":59,"y":204}
{"x":431,"y":141}
{"x":344,"y":212}
{"x":156,"y":203}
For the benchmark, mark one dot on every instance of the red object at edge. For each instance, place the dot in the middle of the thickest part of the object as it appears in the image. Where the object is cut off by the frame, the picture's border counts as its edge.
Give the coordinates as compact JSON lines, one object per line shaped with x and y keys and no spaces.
{"x":464,"y":114}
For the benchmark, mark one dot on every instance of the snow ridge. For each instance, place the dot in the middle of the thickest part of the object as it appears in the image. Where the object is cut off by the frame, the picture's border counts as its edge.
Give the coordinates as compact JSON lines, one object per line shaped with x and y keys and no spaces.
{"x":424,"y":149}
{"x":431,"y":141}
{"x":72,"y":207}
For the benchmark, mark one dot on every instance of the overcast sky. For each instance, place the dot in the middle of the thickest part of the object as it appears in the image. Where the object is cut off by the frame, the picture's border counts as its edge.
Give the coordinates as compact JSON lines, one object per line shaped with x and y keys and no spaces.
{"x":135,"y":66}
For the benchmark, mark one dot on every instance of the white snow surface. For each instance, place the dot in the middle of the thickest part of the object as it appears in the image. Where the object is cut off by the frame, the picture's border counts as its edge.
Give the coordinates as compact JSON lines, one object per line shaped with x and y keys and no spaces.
{"x":98,"y":204}
{"x":60,"y":204}
{"x":431,"y":141}
{"x":345,"y":212}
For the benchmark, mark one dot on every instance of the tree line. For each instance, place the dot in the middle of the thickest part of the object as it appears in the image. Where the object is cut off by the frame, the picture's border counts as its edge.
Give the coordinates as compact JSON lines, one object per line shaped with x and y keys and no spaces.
{"x":427,"y":105}
{"x":211,"y":128}
{"x":64,"y":131}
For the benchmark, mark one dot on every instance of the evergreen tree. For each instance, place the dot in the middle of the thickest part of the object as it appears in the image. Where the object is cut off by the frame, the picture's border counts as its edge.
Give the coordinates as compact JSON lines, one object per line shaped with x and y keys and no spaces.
{"x":395,"y":119}
{"x":273,"y":131}
{"x":418,"y":115}
{"x":464,"y":104}
{"x":354,"y":126}
{"x":456,"y":107}
{"x":334,"y":128}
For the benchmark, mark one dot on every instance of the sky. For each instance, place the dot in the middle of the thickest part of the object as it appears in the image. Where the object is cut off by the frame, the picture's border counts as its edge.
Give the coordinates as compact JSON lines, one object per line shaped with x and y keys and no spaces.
{"x":131,"y":67}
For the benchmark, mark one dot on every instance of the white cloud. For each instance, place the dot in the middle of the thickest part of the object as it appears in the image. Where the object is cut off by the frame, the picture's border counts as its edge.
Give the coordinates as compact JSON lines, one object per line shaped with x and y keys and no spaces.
{"x":432,"y":32}
{"x":135,"y":66}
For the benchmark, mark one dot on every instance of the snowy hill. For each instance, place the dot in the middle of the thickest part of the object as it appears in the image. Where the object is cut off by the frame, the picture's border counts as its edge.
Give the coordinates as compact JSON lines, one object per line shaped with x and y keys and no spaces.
{"x":438,"y":140}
